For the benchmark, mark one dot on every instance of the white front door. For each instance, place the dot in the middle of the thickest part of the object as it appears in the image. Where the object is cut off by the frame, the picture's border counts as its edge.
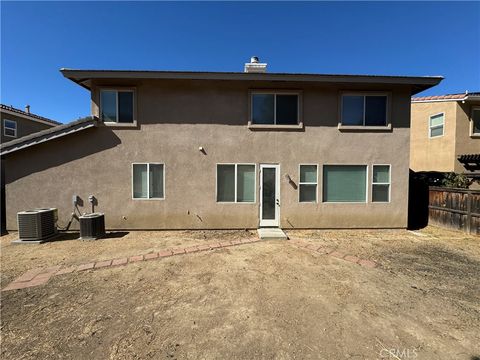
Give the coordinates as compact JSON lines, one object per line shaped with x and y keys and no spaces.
{"x":269,"y":195}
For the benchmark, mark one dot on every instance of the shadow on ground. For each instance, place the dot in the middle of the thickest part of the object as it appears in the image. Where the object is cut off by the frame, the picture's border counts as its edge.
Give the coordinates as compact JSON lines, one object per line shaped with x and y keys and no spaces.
{"x":76,"y":236}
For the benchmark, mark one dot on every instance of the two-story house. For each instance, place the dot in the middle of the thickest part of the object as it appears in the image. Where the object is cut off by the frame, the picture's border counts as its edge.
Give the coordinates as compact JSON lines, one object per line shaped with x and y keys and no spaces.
{"x":226,"y":150}
{"x":445,"y":134}
{"x":17,"y":123}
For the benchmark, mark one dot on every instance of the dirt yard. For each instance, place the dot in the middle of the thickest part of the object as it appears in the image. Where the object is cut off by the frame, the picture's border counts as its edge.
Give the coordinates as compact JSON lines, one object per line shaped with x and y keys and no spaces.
{"x":261,"y":300}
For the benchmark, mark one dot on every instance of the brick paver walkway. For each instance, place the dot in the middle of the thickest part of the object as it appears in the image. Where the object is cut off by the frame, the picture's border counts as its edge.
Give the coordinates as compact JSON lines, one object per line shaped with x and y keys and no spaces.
{"x":40,"y":276}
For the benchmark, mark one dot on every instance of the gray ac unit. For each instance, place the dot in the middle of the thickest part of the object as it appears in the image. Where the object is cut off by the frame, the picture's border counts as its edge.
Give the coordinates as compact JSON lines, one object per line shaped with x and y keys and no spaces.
{"x":92,"y":226}
{"x":37,"y":225}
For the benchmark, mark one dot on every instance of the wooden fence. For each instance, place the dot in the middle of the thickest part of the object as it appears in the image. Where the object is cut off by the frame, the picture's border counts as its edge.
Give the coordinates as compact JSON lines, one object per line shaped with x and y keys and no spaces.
{"x":455,"y":208}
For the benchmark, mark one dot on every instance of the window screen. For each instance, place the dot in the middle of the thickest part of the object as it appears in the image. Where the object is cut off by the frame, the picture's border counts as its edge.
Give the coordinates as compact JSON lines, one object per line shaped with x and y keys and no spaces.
{"x":236,"y":183}
{"x":436,"y":125}
{"x":245,"y":183}
{"x":226,"y":183}
{"x":344,"y":183}
{"x":140,"y":187}
{"x":381,"y":183}
{"x":148,"y":181}
{"x":308,"y":183}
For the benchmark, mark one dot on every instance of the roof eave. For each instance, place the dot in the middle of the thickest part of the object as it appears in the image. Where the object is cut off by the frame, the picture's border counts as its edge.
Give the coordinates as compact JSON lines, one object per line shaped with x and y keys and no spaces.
{"x":418,"y":84}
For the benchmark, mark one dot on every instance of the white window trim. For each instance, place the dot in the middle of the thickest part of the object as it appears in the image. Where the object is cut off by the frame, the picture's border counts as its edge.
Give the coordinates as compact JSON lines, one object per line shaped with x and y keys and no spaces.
{"x":387,"y":126}
{"x":367,"y":194}
{"x":436,"y":126}
{"x":236,"y":202}
{"x":298,"y":125}
{"x":148,"y":180}
{"x":5,"y":128}
{"x":307,"y":183}
{"x":118,"y":89}
{"x":380,"y":183}
{"x":472,"y":134}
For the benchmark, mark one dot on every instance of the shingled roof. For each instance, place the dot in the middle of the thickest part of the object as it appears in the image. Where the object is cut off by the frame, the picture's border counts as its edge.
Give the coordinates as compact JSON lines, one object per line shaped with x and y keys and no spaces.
{"x":29,"y":115}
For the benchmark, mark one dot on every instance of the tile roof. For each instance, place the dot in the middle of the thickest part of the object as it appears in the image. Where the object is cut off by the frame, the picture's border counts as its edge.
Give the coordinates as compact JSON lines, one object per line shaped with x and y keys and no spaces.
{"x":31,"y":115}
{"x":47,"y":134}
{"x":456,"y":97}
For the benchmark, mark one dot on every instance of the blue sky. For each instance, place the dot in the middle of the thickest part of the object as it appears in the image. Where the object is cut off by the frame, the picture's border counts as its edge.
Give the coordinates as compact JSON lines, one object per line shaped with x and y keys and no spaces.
{"x":407,"y":38}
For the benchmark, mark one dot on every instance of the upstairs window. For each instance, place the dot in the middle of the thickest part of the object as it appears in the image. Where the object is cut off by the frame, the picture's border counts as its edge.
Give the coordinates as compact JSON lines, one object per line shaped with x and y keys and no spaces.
{"x":148,"y":181}
{"x":116,"y":106}
{"x":275,"y":109}
{"x":364,"y":110}
{"x":436,"y":125}
{"x":9,"y":128}
{"x":476,"y":121}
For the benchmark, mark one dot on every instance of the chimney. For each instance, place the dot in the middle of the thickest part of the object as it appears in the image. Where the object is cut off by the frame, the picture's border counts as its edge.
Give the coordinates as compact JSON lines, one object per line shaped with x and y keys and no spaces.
{"x":255,"y":66}
{"x":27,"y":109}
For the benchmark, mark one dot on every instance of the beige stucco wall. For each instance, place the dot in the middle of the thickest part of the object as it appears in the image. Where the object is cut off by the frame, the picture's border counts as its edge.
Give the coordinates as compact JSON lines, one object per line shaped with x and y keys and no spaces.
{"x":432,"y":154}
{"x":175,"y":118}
{"x":24,"y":126}
{"x":464,"y":142}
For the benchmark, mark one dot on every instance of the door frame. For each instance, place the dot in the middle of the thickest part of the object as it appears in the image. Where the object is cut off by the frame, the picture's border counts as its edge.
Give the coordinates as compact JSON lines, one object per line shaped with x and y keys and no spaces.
{"x":275,"y":222}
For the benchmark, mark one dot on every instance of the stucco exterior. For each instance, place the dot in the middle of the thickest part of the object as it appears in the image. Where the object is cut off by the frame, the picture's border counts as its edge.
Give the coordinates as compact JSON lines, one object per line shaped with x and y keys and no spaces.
{"x":440,"y":153}
{"x":176,"y":117}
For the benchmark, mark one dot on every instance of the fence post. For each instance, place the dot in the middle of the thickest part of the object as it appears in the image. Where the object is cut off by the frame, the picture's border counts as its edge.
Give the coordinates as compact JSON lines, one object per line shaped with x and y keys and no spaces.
{"x":469,"y":212}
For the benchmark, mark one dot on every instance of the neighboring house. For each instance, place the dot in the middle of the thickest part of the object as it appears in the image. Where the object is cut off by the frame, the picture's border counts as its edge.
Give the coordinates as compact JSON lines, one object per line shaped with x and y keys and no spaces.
{"x":17,"y":123}
{"x":225,"y":150}
{"x":445,"y":134}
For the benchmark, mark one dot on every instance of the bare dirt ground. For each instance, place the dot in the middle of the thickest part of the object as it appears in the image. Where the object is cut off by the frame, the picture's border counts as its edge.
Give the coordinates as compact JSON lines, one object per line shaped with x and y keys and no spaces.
{"x":261,"y":300}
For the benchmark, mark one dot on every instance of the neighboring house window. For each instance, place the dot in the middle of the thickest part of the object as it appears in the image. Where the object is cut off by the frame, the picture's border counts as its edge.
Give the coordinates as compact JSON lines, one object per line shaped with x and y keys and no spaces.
{"x":381,"y":183}
{"x":364,"y":110}
{"x":275,"y":109}
{"x":345,"y":183}
{"x":117,"y":106}
{"x":148,"y":181}
{"x":476,"y":121}
{"x":9,"y":128}
{"x":436,"y":125}
{"x":236,"y":183}
{"x":308,"y":183}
